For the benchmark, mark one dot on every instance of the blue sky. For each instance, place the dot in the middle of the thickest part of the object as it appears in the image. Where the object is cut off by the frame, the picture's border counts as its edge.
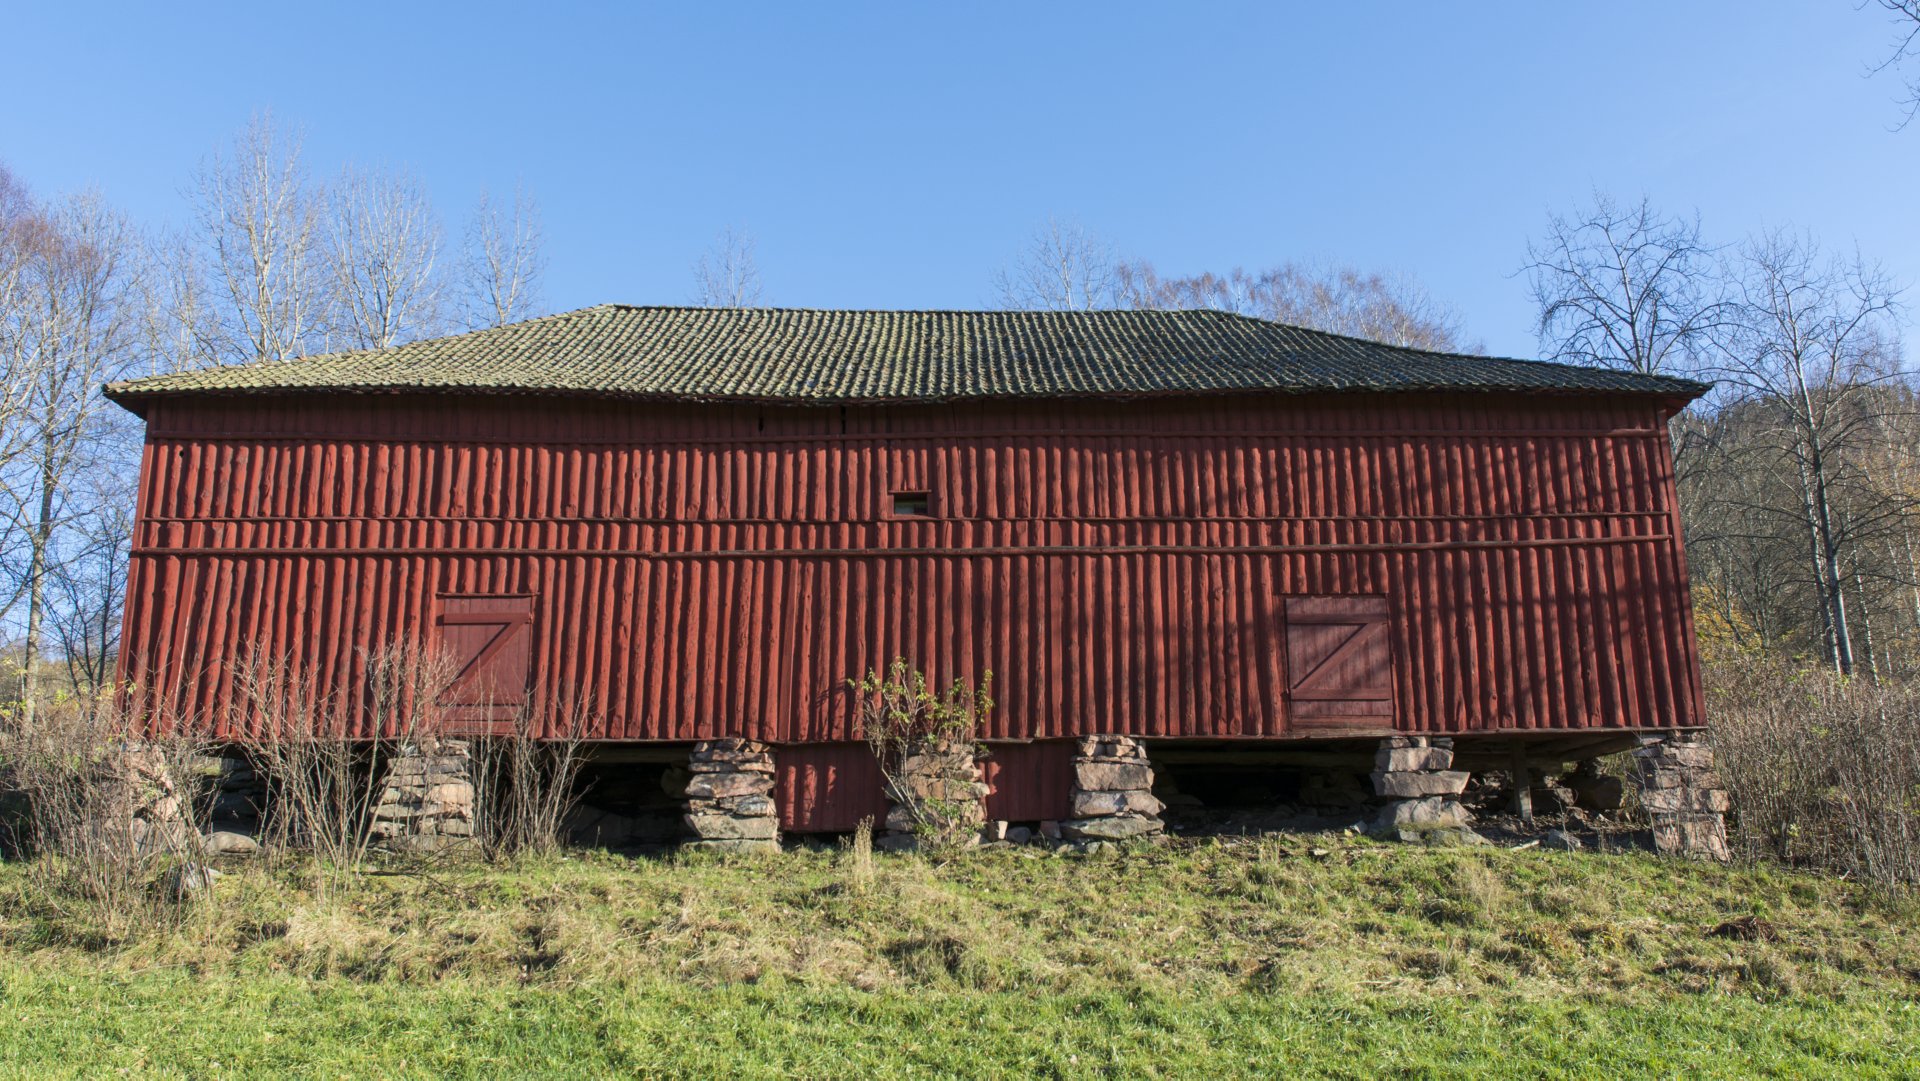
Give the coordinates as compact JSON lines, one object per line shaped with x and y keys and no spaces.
{"x":895,"y":155}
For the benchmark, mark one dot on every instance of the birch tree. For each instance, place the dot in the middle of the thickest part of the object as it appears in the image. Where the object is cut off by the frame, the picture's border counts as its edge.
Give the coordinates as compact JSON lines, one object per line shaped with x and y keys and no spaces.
{"x":258,"y":222}
{"x":1064,"y":268}
{"x":1812,"y":351}
{"x":383,"y":247}
{"x":76,"y":323}
{"x":728,"y":274}
{"x":502,"y":262}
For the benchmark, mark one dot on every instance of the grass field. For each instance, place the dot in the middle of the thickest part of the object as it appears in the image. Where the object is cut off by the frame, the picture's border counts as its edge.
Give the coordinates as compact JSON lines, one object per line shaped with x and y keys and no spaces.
{"x":1253,"y":959}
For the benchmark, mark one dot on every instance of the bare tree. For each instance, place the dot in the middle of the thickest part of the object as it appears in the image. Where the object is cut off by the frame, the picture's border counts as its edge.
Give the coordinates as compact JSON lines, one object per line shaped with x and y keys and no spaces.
{"x":383,"y":245}
{"x":1336,"y":299}
{"x":728,"y":276}
{"x":1065,"y":268}
{"x":25,"y":232}
{"x":1905,"y":17}
{"x":503,"y":261}
{"x":1812,"y":352}
{"x":76,"y":328}
{"x":182,"y":326}
{"x":1625,"y":287}
{"x":259,"y":224}
{"x":88,"y":584}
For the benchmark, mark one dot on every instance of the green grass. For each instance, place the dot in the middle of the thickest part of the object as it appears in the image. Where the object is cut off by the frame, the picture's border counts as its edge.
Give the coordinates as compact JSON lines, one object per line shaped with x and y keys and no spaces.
{"x":1216,"y":960}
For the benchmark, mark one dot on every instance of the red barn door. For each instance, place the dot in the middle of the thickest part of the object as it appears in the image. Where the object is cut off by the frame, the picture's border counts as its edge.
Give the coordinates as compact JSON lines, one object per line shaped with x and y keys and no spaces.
{"x":487,"y":643}
{"x":1339,"y":664}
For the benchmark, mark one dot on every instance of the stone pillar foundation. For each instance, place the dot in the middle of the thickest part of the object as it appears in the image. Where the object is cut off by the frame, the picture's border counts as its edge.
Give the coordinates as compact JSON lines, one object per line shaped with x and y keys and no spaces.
{"x":1112,"y":792}
{"x":428,"y":802}
{"x":1682,"y":795}
{"x":1416,"y":778}
{"x":730,"y":797}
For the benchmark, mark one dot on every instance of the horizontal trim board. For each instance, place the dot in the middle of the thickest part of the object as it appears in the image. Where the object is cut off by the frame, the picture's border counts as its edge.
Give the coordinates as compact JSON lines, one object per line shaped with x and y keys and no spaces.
{"x":906,"y":553}
{"x":1163,"y":519}
{"x":1141,"y":434}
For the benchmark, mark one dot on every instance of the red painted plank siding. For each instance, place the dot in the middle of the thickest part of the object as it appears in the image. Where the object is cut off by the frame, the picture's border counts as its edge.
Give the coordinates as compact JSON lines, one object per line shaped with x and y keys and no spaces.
{"x":707,"y":571}
{"x":827,"y":787}
{"x":1031,"y":782}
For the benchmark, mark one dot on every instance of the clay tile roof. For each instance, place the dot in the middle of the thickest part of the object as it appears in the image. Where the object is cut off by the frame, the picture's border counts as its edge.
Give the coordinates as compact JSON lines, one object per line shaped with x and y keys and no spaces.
{"x":828,"y":357}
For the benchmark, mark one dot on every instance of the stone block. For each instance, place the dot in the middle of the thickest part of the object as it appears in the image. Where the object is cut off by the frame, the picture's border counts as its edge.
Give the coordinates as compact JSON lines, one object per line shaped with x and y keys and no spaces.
{"x":415,"y":768}
{"x":1111,"y":776}
{"x":1701,"y":800}
{"x":1596,"y":793}
{"x":729,"y":827}
{"x":1417,"y":785}
{"x":1115,"y":746}
{"x":1095,"y":804}
{"x":1695,"y":836}
{"x":1111,"y":828}
{"x":673,"y":782}
{"x":762,"y":806}
{"x":748,"y":846}
{"x":1409,"y":759}
{"x":1420,"y":815}
{"x":762,"y":764}
{"x":716,"y":785}
{"x":225,"y":843}
{"x":1562,"y":841}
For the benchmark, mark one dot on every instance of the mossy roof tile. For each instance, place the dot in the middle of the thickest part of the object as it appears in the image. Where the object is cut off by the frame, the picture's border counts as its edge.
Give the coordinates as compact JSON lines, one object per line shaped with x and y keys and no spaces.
{"x":813,"y":356}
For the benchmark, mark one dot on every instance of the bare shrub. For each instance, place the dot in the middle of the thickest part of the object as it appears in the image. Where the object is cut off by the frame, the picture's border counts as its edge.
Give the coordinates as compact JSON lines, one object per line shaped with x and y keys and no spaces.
{"x":324,"y":781}
{"x":108,"y":812}
{"x":924,"y":740}
{"x":526,"y":783}
{"x":1824,"y":770}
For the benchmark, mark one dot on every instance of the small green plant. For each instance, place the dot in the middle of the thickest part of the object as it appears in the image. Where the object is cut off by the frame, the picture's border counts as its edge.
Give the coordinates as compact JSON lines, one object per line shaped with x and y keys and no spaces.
{"x":923,"y":737}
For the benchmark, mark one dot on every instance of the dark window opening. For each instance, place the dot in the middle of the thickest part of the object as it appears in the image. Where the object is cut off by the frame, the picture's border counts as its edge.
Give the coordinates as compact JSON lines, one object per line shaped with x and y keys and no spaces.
{"x":912,"y":504}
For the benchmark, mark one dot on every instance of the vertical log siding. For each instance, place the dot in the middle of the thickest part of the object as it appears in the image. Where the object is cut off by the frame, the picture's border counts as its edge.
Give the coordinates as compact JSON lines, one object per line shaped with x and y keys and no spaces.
{"x":705,"y":571}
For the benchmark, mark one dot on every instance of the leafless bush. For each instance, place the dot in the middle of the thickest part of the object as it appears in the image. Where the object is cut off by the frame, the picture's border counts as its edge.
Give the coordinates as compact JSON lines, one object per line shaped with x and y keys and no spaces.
{"x":1824,"y":771}
{"x":526,"y":783}
{"x":107,"y":813}
{"x":324,"y":781}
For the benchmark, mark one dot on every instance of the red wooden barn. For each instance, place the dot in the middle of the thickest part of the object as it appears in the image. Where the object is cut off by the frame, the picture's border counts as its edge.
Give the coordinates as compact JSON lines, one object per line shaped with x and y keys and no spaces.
{"x":1216,"y":533}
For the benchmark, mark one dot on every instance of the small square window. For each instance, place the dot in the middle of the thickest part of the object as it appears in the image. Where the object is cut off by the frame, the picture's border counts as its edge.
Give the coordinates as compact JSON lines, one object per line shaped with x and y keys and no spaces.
{"x":913,"y":504}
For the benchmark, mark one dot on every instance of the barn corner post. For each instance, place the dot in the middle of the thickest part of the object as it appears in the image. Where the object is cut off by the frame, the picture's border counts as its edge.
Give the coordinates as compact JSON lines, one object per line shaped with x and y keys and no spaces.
{"x":1682,"y":796}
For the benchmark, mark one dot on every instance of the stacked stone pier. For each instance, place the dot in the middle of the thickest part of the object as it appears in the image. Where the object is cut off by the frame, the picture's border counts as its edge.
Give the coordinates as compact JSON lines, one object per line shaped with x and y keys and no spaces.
{"x":1112,"y":792}
{"x":1682,"y":796}
{"x":428,"y":801}
{"x":730,"y":804}
{"x":1416,"y":778}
